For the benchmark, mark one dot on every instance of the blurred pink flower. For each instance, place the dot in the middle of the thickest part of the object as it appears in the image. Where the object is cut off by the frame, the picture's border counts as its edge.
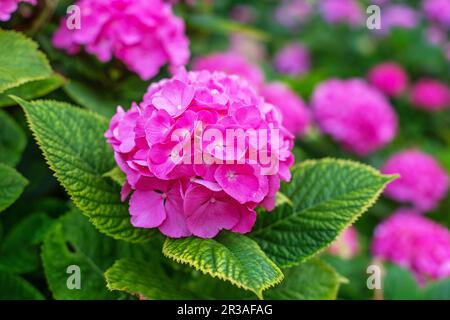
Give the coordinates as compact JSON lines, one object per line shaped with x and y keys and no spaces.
{"x":355,"y":114}
{"x":342,"y":11}
{"x":170,"y":189}
{"x":430,"y":95}
{"x":437,"y":11}
{"x":423,"y":182}
{"x":231,"y":63}
{"x":414,"y":242}
{"x":346,"y":245}
{"x":389,"y":77}
{"x":143,"y":34}
{"x":7,"y":7}
{"x":398,"y":16}
{"x":292,"y":12}
{"x":293,"y":59}
{"x":296,"y":115}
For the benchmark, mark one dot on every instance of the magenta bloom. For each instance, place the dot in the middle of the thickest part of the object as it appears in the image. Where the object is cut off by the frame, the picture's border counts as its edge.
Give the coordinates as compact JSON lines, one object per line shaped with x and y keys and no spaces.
{"x":437,"y":11}
{"x":414,"y":242}
{"x":341,"y":11}
{"x":296,"y":115}
{"x":355,"y":114}
{"x":293,"y":60}
{"x":430,"y":95}
{"x":398,"y":16}
{"x":389,"y":77}
{"x":346,"y":246}
{"x":292,"y":12}
{"x":423,"y":182}
{"x":230,"y":63}
{"x":185,"y":174}
{"x":143,"y":34}
{"x":7,"y":7}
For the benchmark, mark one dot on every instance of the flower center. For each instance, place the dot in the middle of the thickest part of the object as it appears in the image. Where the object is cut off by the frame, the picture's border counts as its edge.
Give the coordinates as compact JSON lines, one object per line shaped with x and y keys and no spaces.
{"x":179,"y":107}
{"x":231,"y":175}
{"x":212,"y":200}
{"x":214,"y":91}
{"x":164,"y":196}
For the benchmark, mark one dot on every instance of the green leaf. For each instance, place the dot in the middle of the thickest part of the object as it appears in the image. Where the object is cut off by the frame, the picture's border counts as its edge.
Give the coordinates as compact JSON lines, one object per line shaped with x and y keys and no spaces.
{"x":399,"y":284}
{"x":311,"y":280}
{"x":327,"y":196}
{"x":231,"y":257}
{"x":16,"y":288}
{"x":12,"y":140}
{"x":139,"y":278}
{"x":12,"y":184}
{"x":117,"y":176}
{"x":74,"y":241}
{"x":32,"y":90}
{"x":73,"y":144}
{"x":20,"y":60}
{"x":19,"y":250}
{"x":439,"y":290}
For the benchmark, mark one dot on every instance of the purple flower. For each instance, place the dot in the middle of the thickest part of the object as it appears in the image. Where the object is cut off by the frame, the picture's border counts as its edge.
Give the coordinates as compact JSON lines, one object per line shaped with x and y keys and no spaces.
{"x":293,"y":59}
{"x":292,"y":12}
{"x":430,"y":95}
{"x":438,"y":11}
{"x":397,"y":16}
{"x":355,"y":114}
{"x":143,"y":34}
{"x":341,"y":11}
{"x":414,"y":242}
{"x":7,"y":7}
{"x":423,"y":182}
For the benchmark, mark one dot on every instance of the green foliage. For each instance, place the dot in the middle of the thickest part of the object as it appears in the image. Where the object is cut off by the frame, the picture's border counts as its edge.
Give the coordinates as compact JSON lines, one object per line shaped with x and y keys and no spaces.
{"x":327,"y":196}
{"x":22,"y":62}
{"x":73,"y":144}
{"x":145,"y":280}
{"x":230,"y":257}
{"x":12,"y":140}
{"x":12,"y":184}
{"x":311,"y":280}
{"x":14,"y":287}
{"x":74,"y":241}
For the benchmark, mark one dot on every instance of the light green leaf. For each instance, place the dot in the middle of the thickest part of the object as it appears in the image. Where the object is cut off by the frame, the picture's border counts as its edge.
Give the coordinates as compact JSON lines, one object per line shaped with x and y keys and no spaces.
{"x":399,"y":284}
{"x":13,"y":287}
{"x":32,"y":90}
{"x":12,"y":184}
{"x":139,"y":278}
{"x":311,"y":280}
{"x":19,"y":250}
{"x":12,"y":140}
{"x":20,"y":60}
{"x":74,"y":241}
{"x":73,"y":143}
{"x":117,"y":176}
{"x":231,"y":257}
{"x":327,"y":196}
{"x":438,"y":290}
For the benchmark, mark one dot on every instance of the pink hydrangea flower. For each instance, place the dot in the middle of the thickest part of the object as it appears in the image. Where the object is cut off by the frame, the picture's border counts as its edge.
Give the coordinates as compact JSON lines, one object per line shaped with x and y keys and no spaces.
{"x":161,"y":146}
{"x":423,"y":182}
{"x":346,"y":246}
{"x":414,"y":242}
{"x":355,"y":114}
{"x":7,"y":7}
{"x":292,"y":12}
{"x":438,"y":11}
{"x":398,"y":16}
{"x":143,"y":34}
{"x":430,"y":95}
{"x":231,"y":63}
{"x":389,"y":77}
{"x":296,"y":115}
{"x":341,"y":11}
{"x":293,"y":59}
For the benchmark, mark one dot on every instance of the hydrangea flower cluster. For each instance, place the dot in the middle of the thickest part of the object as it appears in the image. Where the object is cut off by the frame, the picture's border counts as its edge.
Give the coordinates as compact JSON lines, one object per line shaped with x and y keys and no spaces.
{"x":430,"y":95}
{"x":293,"y":59}
{"x":389,"y":77}
{"x":171,"y":189}
{"x":414,"y":242}
{"x":341,"y":11}
{"x":398,"y":16}
{"x":143,"y":34}
{"x":423,"y":182}
{"x":438,"y":11}
{"x":7,"y":7}
{"x":355,"y":114}
{"x":296,"y":116}
{"x":290,"y":13}
{"x":346,"y":246}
